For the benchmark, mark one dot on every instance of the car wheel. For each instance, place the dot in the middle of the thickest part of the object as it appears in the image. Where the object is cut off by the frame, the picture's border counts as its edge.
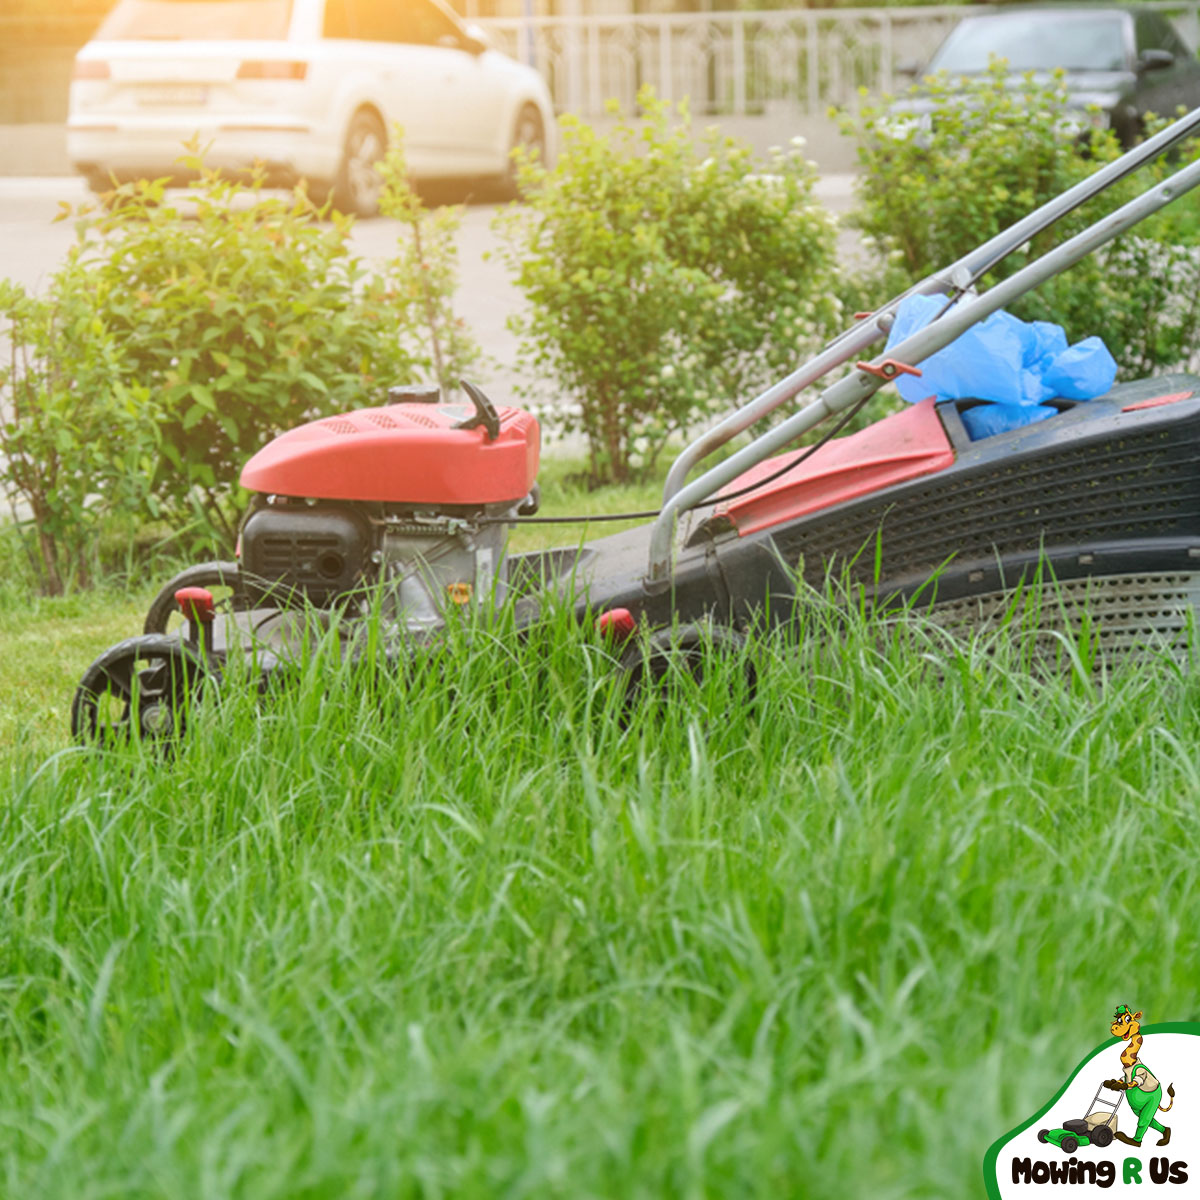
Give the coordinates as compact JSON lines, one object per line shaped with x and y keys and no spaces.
{"x":529,"y":134}
{"x":358,"y":185}
{"x":98,"y":182}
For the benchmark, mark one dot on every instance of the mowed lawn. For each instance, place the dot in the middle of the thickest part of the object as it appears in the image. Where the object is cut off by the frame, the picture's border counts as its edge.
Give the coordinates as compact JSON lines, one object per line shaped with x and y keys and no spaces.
{"x":464,"y":932}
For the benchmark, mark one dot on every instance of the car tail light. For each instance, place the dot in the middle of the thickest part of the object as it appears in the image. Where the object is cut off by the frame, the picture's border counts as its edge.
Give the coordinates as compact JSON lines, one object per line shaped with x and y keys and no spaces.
{"x":91,"y":68}
{"x":272,"y":69}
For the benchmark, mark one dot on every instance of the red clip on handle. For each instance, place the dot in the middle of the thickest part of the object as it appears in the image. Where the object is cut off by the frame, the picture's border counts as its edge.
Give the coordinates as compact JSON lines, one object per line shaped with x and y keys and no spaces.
{"x":888,"y":369}
{"x":196,"y":604}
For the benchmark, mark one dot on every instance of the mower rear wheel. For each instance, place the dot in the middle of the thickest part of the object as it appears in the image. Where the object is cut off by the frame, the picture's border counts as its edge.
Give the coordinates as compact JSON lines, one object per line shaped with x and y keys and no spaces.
{"x":141,"y":688}
{"x":1102,"y":1136}
{"x":671,"y":657}
{"x":223,"y":579}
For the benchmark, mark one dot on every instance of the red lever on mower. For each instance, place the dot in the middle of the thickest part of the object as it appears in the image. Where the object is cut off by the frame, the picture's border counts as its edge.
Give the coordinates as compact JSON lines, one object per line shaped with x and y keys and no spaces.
{"x":617,"y":623}
{"x":196,"y":604}
{"x":199,"y":610}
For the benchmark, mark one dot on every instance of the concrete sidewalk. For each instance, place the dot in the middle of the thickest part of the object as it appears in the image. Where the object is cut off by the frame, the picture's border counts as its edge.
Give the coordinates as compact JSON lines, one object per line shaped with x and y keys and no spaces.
{"x":834,"y":189}
{"x":34,"y":150}
{"x":30,"y":150}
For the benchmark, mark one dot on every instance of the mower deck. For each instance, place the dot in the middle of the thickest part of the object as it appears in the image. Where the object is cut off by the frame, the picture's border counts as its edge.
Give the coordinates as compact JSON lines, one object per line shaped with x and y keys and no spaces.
{"x":1103,"y":499}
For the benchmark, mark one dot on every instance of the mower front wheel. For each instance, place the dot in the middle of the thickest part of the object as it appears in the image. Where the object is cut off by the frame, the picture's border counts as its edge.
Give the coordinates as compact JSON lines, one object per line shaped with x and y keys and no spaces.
{"x":141,"y":688}
{"x":1069,"y":1145}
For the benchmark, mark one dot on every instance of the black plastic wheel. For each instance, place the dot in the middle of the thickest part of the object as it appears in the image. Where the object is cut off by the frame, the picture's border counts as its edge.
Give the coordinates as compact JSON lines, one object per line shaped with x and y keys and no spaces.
{"x":670,"y":657}
{"x":1042,"y":1134}
{"x":139,"y":688}
{"x":1069,"y":1145}
{"x":358,"y":184}
{"x":1102,"y":1136}
{"x":223,"y":579}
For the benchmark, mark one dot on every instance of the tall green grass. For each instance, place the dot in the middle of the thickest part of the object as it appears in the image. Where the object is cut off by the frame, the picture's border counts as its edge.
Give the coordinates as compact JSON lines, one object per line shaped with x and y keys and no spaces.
{"x":462,"y":930}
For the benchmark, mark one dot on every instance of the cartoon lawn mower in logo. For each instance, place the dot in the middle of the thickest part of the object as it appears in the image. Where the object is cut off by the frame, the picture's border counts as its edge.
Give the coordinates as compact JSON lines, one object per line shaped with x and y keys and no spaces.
{"x":1137,"y":1083}
{"x":1092,"y":1129}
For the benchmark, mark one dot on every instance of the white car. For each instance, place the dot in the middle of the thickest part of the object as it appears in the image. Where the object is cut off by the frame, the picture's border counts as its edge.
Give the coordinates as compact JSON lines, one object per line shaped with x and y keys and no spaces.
{"x":309,"y":87}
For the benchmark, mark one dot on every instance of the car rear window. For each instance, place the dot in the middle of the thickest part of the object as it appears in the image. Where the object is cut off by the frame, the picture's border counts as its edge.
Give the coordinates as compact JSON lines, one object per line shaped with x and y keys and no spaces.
{"x":191,"y":20}
{"x":1035,"y":42}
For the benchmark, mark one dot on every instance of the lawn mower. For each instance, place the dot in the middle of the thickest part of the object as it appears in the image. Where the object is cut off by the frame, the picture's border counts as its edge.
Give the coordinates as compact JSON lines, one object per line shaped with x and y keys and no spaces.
{"x":410,"y":502}
{"x":1093,"y":1129}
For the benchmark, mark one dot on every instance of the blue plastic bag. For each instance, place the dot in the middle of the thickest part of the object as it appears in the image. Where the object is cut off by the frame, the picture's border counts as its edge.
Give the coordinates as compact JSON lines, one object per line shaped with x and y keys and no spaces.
{"x":1083,"y":372}
{"x":1003,"y":359}
{"x":986,"y":420}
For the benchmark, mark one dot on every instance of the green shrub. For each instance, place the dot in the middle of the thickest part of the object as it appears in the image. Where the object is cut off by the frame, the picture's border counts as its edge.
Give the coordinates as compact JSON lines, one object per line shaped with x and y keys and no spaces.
{"x":663,"y":284}
{"x":994,"y":149}
{"x":175,"y":340}
{"x":79,"y":437}
{"x":243,"y":315}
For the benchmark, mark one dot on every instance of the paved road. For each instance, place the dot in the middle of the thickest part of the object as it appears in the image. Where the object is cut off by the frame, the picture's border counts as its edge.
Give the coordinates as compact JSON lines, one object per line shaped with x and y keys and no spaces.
{"x":31,"y":245}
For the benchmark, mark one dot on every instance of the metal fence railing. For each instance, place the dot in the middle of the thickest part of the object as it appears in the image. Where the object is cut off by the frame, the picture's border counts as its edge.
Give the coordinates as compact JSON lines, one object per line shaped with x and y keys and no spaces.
{"x":739,"y":62}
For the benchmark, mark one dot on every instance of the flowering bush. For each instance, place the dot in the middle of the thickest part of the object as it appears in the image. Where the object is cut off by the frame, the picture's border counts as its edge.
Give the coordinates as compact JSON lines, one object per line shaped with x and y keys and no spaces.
{"x":990,"y":151}
{"x":664,"y":283}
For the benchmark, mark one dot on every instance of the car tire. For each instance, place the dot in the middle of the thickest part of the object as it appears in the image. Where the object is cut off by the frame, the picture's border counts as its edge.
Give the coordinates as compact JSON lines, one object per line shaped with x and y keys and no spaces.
{"x":358,"y":184}
{"x":98,"y":182}
{"x":529,"y":132}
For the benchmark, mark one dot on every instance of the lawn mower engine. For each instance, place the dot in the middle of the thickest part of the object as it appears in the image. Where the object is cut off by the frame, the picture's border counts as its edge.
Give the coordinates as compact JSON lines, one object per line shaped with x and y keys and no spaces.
{"x":412,"y":496}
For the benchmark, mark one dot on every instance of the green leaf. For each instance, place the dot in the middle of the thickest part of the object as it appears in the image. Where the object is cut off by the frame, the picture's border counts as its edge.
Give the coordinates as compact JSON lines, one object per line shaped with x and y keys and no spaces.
{"x":203,"y":396}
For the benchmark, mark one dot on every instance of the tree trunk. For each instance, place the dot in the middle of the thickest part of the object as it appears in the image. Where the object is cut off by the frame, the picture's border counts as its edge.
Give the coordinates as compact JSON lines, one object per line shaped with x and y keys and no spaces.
{"x":614,"y":441}
{"x":51,"y":583}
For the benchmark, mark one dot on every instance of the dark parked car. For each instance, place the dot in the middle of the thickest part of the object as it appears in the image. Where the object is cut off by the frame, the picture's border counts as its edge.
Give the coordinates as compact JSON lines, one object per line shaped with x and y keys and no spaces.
{"x":1126,"y":61}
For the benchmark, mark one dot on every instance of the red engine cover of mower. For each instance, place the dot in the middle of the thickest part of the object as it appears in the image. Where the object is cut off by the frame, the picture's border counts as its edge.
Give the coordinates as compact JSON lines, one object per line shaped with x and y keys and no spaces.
{"x":401,"y":454}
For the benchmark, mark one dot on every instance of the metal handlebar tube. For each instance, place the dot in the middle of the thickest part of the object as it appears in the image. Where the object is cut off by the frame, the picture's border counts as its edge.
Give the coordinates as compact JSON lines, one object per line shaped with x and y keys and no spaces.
{"x":852,"y":341}
{"x":992,"y":252}
{"x":863,"y":383}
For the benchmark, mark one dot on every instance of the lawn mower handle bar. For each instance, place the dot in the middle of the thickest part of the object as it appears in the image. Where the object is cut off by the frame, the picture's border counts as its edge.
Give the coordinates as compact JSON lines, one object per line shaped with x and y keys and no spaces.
{"x":853,"y":341}
{"x":861,"y":384}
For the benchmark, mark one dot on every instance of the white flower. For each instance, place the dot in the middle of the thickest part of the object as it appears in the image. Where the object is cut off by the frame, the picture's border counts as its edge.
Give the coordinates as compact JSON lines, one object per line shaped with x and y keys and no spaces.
{"x":799,"y":142}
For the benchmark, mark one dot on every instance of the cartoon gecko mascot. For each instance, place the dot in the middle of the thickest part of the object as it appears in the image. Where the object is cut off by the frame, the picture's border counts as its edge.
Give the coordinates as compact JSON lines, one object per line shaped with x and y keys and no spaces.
{"x":1141,"y":1089}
